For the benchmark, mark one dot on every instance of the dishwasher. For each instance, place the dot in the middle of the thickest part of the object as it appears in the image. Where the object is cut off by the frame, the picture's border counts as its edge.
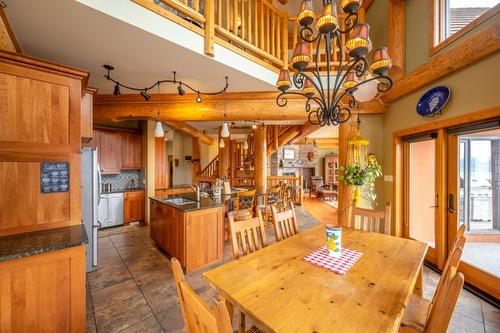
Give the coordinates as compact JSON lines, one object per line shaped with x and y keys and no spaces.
{"x":111,"y":209}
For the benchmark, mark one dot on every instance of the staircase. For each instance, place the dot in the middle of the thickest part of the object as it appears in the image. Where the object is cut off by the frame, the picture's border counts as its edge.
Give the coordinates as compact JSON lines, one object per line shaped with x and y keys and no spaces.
{"x":210,"y":172}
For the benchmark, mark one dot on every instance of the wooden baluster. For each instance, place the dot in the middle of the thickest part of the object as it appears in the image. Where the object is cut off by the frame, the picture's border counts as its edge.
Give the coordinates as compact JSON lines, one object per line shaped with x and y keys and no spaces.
{"x":209,"y":27}
{"x":196,"y":5}
{"x":219,"y":13}
{"x":227,"y":25}
{"x":235,"y":17}
{"x":249,"y":21}
{"x":268,"y":21}
{"x":279,"y":27}
{"x":272,"y":32}
{"x":255,"y":23}
{"x":243,"y":16}
{"x":295,"y":33}
{"x":262,"y":19}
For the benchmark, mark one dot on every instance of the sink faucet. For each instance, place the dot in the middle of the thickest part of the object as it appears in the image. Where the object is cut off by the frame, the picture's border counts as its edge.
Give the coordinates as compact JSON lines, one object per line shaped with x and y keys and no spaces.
{"x":196,"y":188}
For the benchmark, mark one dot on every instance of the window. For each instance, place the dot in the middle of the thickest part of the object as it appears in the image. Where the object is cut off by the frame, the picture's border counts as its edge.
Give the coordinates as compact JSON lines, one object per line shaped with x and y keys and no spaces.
{"x":453,"y":18}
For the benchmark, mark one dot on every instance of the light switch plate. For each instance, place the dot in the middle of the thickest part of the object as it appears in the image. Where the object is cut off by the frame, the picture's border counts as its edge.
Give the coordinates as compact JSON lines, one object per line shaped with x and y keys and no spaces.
{"x":388,"y":178}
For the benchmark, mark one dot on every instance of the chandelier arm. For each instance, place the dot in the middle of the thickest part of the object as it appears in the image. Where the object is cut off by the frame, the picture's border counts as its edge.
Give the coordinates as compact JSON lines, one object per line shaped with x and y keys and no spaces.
{"x":381,"y":86}
{"x":282,"y":100}
{"x":317,"y":73}
{"x":341,"y":59}
{"x":311,"y":33}
{"x":307,"y":77}
{"x":349,"y":22}
{"x":328,"y":46}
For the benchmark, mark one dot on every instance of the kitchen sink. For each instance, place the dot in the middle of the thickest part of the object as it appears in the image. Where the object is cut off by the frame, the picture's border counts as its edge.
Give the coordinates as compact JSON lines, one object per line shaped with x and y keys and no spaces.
{"x":179,"y":201}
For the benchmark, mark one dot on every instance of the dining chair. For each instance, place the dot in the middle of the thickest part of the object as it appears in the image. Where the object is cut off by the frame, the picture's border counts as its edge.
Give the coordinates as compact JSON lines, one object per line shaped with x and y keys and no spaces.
{"x":271,"y":198}
{"x":198,"y":316}
{"x":371,"y":219}
{"x":285,"y":223}
{"x":418,"y":308}
{"x":440,"y":314}
{"x":247,"y":236}
{"x":244,"y":205}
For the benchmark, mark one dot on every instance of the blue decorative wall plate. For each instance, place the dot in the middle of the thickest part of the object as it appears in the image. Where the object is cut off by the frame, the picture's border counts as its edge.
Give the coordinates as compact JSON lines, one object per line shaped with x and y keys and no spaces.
{"x":433,"y":101}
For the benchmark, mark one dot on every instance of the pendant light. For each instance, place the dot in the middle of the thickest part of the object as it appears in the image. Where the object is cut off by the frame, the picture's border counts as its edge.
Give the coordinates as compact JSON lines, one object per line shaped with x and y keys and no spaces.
{"x":245,"y":145}
{"x":221,"y":143}
{"x":225,"y":128}
{"x":159,"y":132}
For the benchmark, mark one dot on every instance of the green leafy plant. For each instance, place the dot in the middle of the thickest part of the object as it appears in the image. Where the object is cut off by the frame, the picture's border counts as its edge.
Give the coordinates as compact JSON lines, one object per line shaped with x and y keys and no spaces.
{"x":352,"y":174}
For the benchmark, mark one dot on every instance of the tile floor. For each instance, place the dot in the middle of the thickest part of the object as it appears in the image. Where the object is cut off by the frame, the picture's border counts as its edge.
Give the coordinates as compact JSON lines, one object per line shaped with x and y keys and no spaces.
{"x":133,"y":290}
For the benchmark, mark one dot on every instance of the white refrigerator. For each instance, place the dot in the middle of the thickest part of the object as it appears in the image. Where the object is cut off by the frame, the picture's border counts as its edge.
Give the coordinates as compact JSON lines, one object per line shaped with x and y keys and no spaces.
{"x":90,"y":195}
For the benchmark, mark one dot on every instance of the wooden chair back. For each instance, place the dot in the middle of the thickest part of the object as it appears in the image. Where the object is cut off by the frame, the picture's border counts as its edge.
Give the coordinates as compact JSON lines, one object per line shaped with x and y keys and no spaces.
{"x":272,"y":197}
{"x":444,"y":306}
{"x":451,"y":265}
{"x":198,"y":317}
{"x":317,"y":182}
{"x":247,"y":236}
{"x":371,"y":219}
{"x":244,"y":205}
{"x":285,"y":223}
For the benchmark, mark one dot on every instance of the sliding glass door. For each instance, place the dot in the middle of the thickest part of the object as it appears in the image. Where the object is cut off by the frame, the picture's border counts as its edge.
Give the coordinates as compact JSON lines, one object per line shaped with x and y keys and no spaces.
{"x":474,"y":198}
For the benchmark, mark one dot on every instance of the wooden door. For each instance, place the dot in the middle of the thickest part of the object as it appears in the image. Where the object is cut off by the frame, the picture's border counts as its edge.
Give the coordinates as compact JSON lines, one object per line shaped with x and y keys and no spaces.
{"x":134,"y":207}
{"x":110,"y":152}
{"x":131,"y":150}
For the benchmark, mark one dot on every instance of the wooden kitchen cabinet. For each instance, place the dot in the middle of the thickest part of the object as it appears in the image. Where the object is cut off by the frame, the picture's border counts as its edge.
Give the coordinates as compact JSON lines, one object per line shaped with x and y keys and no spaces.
{"x":131,"y":150}
{"x":195,"y":238}
{"x":110,"y":152}
{"x":134,"y":206}
{"x":87,"y":110}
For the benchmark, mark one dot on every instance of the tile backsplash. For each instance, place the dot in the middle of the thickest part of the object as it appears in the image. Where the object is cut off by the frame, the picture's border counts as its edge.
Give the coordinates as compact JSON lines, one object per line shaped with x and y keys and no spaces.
{"x":124,"y":179}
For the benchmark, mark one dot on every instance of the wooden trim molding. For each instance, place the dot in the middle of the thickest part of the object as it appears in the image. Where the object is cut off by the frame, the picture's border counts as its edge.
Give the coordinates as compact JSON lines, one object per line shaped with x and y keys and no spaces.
{"x":436,"y":27}
{"x":473,"y":49}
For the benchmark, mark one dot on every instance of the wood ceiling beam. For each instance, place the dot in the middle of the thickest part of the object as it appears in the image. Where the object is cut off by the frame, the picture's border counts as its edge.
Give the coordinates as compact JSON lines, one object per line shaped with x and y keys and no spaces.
{"x":473,"y":49}
{"x":396,"y":37}
{"x":258,"y":106}
{"x":321,"y":143}
{"x":284,"y":139}
{"x":190,"y":130}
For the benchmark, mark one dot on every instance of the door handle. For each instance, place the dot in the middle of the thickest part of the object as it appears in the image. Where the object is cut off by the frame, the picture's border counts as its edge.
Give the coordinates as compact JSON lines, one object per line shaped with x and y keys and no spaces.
{"x":451,"y":203}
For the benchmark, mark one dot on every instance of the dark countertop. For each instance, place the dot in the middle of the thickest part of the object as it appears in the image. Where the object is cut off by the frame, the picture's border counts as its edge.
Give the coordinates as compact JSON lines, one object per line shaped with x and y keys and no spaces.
{"x":43,"y":241}
{"x":205,"y":203}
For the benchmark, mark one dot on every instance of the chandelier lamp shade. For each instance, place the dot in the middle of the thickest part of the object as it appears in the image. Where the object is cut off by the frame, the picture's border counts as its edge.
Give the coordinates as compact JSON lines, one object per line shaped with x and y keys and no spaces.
{"x":329,"y":86}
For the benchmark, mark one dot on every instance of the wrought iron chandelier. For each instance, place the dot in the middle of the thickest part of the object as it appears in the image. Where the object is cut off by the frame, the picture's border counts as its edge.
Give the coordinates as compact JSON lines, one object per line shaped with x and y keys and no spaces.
{"x":332,"y":94}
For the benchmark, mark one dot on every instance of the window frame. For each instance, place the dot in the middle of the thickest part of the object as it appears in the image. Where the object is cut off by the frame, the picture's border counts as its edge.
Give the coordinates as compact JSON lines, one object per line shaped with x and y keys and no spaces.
{"x":437,"y":25}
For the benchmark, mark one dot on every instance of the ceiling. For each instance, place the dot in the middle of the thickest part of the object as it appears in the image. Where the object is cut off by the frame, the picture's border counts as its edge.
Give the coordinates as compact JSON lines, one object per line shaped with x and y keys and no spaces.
{"x":212,"y":126}
{"x":74,"y":34}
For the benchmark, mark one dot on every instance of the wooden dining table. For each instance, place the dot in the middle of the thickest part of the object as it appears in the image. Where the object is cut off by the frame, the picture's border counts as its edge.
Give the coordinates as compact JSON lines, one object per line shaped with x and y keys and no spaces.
{"x":284,"y":293}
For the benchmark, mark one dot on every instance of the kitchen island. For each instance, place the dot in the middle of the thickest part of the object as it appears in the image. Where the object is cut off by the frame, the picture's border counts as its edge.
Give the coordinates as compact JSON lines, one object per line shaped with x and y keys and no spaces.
{"x":191,"y":231}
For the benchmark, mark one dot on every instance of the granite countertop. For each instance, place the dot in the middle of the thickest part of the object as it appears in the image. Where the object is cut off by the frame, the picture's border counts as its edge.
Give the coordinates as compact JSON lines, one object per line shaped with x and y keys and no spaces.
{"x":173,"y":187}
{"x":43,"y":241}
{"x":205,"y":203}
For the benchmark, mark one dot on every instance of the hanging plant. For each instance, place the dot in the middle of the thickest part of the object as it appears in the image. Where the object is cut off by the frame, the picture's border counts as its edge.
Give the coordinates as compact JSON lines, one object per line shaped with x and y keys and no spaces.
{"x":354,"y":174}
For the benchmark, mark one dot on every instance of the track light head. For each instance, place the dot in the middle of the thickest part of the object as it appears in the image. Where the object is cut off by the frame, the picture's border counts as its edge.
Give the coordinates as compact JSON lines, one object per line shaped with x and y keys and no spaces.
{"x":180,"y":90}
{"x":145,"y":95}
{"x":117,"y":92}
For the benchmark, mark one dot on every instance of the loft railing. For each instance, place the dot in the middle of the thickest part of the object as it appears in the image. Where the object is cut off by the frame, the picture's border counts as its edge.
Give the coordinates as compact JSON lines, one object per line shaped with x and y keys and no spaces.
{"x":252,"y":28}
{"x":211,"y":170}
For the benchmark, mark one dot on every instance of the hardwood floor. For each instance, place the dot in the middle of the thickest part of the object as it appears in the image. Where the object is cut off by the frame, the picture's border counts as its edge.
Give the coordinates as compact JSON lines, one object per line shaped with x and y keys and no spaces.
{"x":133,"y":290}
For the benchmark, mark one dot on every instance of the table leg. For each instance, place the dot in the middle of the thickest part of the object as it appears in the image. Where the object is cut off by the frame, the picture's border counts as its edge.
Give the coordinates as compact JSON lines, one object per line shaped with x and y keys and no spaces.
{"x":242,"y":322}
{"x":419,"y":288}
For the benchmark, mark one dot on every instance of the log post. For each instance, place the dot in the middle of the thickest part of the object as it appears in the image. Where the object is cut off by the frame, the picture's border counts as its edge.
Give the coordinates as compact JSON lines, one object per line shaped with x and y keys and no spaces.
{"x":209,"y":27}
{"x":345,"y":195}
{"x":224,"y":156}
{"x":260,"y":161}
{"x":196,"y":163}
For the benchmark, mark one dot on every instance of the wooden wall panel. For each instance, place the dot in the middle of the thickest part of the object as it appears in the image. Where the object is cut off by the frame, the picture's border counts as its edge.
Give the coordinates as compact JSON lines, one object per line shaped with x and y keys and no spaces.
{"x":40,"y":105}
{"x":35,"y":111}
{"x":44,"y":293}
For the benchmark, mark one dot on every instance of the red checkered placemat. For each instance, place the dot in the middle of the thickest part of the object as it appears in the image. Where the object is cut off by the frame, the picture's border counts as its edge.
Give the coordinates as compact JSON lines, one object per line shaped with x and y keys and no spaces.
{"x":340,"y":265}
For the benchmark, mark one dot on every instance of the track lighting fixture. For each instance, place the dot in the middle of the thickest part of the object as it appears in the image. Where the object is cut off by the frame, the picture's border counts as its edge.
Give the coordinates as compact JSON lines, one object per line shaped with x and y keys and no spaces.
{"x":117,"y":90}
{"x":180,"y":90}
{"x":145,"y":95}
{"x":181,"y":86}
{"x":159,"y":132}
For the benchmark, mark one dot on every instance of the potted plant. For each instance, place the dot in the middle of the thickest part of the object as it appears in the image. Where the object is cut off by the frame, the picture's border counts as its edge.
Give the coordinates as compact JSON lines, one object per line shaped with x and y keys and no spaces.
{"x":357,"y":175}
